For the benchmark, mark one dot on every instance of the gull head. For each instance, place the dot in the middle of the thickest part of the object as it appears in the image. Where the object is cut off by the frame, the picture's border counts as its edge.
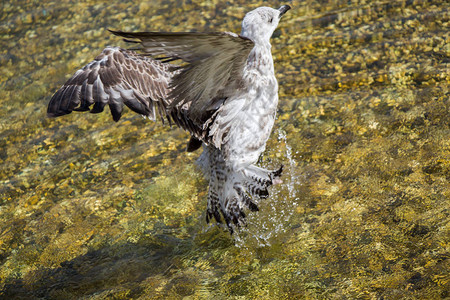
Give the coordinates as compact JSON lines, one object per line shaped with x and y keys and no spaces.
{"x":259,"y":24}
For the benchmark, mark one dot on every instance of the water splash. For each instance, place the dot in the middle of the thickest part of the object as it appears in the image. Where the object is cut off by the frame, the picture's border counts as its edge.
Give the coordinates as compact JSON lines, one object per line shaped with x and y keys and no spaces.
{"x":272,"y":221}
{"x":282,"y":137}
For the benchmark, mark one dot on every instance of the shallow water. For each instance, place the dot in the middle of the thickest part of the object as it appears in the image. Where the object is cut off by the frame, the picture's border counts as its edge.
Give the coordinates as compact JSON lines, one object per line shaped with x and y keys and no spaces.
{"x":94,"y":209}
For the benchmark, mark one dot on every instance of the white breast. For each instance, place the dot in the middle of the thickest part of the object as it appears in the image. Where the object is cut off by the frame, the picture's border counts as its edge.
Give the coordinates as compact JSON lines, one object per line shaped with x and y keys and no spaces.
{"x":244,"y":123}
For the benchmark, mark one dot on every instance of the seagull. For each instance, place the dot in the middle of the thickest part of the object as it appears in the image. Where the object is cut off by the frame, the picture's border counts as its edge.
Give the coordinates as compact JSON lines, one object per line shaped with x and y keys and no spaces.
{"x":219,"y":86}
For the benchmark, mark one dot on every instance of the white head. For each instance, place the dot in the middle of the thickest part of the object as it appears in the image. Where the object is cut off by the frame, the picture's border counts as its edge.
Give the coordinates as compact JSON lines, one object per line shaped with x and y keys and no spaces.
{"x":259,"y":24}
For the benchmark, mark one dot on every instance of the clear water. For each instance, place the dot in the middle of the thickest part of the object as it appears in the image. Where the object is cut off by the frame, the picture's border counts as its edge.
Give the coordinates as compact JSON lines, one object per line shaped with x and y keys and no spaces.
{"x":94,"y":209}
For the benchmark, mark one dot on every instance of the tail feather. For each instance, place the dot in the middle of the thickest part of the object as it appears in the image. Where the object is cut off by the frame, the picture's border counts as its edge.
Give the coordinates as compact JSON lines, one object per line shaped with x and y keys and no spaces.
{"x":258,"y":180}
{"x":231,"y":192}
{"x":213,"y":207}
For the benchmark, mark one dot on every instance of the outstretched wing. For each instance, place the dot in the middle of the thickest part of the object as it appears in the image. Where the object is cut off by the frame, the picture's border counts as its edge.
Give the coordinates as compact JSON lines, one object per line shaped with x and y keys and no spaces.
{"x":116,"y":77}
{"x":215,"y":64}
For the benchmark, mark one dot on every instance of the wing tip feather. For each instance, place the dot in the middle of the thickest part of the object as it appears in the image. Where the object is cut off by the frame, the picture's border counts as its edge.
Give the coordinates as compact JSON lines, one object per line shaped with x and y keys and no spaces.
{"x":57,"y":113}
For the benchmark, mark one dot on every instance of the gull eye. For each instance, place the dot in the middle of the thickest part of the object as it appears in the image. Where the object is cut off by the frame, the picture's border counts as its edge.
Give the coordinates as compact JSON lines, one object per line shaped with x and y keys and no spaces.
{"x":270,"y":20}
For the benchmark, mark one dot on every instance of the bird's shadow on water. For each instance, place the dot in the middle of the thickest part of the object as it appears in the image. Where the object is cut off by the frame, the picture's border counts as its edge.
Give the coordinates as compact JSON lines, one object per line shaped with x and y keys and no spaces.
{"x":108,"y":271}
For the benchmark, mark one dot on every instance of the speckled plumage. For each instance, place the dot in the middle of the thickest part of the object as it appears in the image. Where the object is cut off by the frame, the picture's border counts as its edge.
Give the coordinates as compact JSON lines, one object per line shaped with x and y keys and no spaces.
{"x":224,"y":93}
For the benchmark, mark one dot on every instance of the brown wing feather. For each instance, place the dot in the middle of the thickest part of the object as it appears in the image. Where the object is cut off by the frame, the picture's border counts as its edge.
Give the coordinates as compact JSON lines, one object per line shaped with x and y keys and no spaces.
{"x":188,"y":95}
{"x":215,"y":66}
{"x":116,"y":77}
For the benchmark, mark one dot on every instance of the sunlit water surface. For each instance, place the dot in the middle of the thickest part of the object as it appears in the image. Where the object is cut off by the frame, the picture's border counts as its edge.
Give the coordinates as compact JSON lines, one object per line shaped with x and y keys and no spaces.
{"x":94,"y":209}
